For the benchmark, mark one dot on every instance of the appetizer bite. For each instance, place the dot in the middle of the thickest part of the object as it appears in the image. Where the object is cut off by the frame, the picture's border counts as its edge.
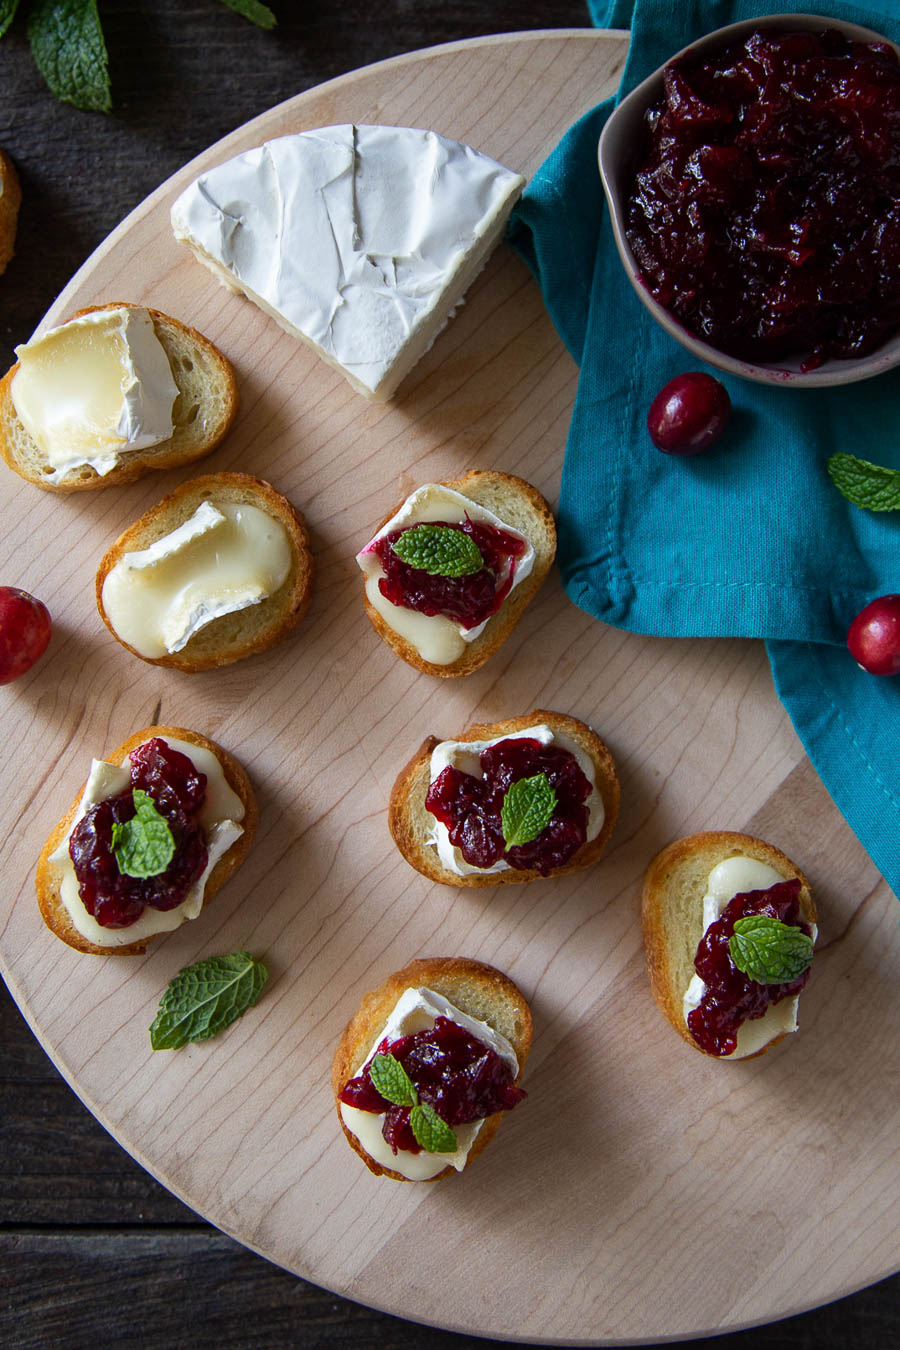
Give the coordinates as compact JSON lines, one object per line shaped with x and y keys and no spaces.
{"x":219,"y":570}
{"x":534,"y":796}
{"x":451,"y":571}
{"x":729,"y":925}
{"x":424,"y":1071}
{"x":115,"y":391}
{"x":359,"y":240}
{"x":158,"y":828}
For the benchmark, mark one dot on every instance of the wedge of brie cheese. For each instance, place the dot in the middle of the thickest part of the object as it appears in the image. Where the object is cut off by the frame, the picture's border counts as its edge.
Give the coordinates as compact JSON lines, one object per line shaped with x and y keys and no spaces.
{"x":94,"y":388}
{"x":360,"y":240}
{"x":219,"y":561}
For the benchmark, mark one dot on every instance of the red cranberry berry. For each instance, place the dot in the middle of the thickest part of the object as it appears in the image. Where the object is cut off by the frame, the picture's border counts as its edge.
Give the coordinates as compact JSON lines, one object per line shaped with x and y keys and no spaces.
{"x":874,"y":636}
{"x":24,"y":632}
{"x":688,"y":414}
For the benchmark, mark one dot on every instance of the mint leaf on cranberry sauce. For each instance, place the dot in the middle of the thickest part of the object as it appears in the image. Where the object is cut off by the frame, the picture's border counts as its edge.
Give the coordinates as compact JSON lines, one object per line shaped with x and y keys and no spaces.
{"x":205,"y":998}
{"x":391,"y":1081}
{"x":143,"y":846}
{"x":439,"y":550}
{"x":871,"y":486}
{"x":769,"y":951}
{"x":527,"y":809}
{"x":430,"y":1132}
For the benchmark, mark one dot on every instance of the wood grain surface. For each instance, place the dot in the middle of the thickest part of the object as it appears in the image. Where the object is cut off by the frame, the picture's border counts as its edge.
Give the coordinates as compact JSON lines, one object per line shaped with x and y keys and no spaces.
{"x":612,"y":1200}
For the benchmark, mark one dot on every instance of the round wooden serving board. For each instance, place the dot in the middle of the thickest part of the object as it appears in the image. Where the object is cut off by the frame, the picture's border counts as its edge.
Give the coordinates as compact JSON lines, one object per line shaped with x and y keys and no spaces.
{"x":642,"y":1191}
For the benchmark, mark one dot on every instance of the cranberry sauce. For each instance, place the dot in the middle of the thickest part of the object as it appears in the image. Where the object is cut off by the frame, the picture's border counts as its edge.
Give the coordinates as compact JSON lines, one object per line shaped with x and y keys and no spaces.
{"x":468,"y":600}
{"x":765,"y":213}
{"x":470,"y":807}
{"x":178,"y":791}
{"x":731,"y":997}
{"x":451,"y":1070}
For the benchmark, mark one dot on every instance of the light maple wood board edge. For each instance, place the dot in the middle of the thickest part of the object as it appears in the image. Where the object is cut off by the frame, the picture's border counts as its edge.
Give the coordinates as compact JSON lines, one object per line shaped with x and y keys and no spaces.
{"x":611,"y":1197}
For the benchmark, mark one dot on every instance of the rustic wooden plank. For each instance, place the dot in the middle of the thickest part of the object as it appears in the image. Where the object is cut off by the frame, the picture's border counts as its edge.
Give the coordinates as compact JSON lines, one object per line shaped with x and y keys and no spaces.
{"x":153,"y":1286}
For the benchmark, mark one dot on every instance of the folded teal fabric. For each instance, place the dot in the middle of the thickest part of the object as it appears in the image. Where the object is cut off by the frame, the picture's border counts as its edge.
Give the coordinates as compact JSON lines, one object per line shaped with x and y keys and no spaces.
{"x":751,"y":538}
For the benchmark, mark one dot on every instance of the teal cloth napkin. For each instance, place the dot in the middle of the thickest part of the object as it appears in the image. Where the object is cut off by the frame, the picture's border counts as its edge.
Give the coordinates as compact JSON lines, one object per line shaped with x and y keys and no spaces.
{"x":751,"y":538}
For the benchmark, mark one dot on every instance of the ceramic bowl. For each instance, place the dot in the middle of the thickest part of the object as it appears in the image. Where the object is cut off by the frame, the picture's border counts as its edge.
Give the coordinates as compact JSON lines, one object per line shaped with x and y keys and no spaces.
{"x":616,"y":154}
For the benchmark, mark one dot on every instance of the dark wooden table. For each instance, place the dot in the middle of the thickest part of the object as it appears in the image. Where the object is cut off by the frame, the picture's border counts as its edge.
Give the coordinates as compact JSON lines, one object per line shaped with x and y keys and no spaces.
{"x":94,"y":1251}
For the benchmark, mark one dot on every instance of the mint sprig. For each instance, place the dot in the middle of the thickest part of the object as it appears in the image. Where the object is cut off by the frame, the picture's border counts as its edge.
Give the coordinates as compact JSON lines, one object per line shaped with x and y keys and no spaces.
{"x":393,"y":1083}
{"x":143,"y":846}
{"x":527,"y":809}
{"x":69,"y":50}
{"x":205,"y":998}
{"x":871,"y":486}
{"x":769,"y":951}
{"x":439,"y":550}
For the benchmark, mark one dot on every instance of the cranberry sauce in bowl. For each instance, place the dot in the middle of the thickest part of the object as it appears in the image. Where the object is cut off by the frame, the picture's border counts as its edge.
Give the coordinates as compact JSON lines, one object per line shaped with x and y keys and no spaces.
{"x":471,"y":808}
{"x":731,"y":997}
{"x":458,"y":1075}
{"x":470,"y":599}
{"x":177,"y":790}
{"x":754,"y":189}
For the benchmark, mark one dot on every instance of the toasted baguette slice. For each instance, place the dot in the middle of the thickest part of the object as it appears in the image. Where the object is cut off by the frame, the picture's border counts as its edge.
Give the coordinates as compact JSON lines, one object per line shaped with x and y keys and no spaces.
{"x":475,"y":989}
{"x":10,"y":201}
{"x":672,"y":912}
{"x":520,"y":505}
{"x":205,"y":408}
{"x":47,"y":878}
{"x":410,"y":822}
{"x":248,"y":631}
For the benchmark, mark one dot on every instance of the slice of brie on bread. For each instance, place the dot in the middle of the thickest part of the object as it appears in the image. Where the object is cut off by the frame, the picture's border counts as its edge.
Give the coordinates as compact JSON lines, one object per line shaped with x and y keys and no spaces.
{"x":360,"y":240}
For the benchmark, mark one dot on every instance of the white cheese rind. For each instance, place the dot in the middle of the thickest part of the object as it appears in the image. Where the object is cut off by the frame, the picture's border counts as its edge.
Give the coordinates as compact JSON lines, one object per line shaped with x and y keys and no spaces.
{"x":464,"y":755}
{"x":416,"y":1010}
{"x":93,"y":389}
{"x":217,"y":562}
{"x":436,"y":638}
{"x":219,"y":817}
{"x":731,"y":877}
{"x":358,"y":239}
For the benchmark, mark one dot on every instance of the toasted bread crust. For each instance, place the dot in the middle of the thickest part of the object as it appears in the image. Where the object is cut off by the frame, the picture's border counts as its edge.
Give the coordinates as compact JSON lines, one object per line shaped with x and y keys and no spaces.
{"x":223,"y":641}
{"x":408,"y":817}
{"x":10,"y":201}
{"x":535,"y":520}
{"x":193,"y":360}
{"x":47,"y":876}
{"x":473,"y":987}
{"x":672,"y":913}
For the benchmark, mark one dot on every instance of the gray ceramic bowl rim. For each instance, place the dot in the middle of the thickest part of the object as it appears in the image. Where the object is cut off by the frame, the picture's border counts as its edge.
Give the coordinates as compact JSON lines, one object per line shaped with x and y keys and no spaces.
{"x":614,"y":167}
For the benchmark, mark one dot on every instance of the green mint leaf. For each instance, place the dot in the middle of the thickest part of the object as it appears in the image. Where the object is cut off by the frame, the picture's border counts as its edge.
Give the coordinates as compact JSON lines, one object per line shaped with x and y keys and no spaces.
{"x":769,"y":951}
{"x":429,"y":1131}
{"x":7,"y":14}
{"x":391,"y":1080}
{"x":254,"y":11}
{"x":527,"y":809}
{"x":440,"y":550}
{"x":67,"y":45}
{"x":205,"y":998}
{"x":143,"y":846}
{"x":868,"y":485}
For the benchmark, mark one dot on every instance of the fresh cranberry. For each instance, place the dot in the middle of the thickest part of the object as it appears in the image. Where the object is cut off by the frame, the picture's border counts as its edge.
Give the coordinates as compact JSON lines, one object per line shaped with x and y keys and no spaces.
{"x":764,"y":213}
{"x":468,"y":600}
{"x":459,"y":1076}
{"x":874,"y":636}
{"x":25,"y":628}
{"x":471,"y":807}
{"x":688,"y":414}
{"x":178,"y":791}
{"x":731,"y":997}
